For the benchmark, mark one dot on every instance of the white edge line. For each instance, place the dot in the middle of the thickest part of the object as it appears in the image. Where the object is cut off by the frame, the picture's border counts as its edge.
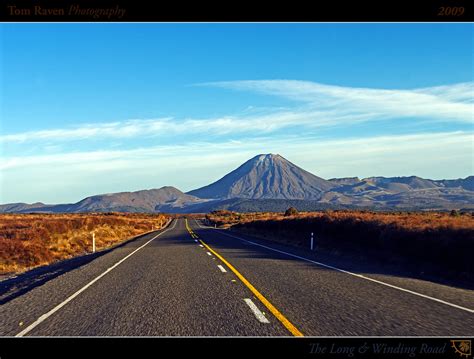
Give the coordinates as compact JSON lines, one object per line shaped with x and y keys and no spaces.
{"x":223,"y":270}
{"x":355,"y":275}
{"x":258,"y":314}
{"x":195,"y":220}
{"x":59,"y":306}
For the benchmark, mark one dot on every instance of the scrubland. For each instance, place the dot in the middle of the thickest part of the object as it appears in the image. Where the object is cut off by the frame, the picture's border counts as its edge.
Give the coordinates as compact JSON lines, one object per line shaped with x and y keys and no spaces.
{"x":441,"y":242}
{"x":31,"y":240}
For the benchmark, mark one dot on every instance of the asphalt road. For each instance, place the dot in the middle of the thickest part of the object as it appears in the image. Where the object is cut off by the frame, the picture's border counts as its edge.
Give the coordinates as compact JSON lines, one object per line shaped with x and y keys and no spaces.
{"x":191,"y":280}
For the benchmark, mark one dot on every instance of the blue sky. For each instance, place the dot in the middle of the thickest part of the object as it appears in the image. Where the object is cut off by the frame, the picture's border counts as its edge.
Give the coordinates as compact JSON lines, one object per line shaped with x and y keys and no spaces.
{"x":98,"y":108}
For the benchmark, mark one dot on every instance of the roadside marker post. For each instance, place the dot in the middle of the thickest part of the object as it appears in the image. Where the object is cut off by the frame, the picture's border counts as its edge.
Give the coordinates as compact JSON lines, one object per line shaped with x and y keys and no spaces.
{"x":312,"y":241}
{"x":93,"y":242}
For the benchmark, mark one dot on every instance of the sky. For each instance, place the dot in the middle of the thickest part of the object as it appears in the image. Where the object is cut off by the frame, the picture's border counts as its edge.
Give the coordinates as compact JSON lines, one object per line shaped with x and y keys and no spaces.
{"x":99,"y":108}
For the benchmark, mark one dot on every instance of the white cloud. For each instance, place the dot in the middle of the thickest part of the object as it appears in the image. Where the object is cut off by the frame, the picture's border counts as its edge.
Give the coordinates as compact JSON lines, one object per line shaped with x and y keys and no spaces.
{"x":442,"y":103}
{"x":164,"y":128}
{"x":124,"y":129}
{"x":198,"y":154}
{"x":462,"y":92}
{"x":322,"y":106}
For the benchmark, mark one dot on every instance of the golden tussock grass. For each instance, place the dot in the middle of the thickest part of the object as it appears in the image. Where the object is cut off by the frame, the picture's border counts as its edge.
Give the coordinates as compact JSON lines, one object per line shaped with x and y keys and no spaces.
{"x":437,"y":239}
{"x":416,"y":221}
{"x":31,"y":240}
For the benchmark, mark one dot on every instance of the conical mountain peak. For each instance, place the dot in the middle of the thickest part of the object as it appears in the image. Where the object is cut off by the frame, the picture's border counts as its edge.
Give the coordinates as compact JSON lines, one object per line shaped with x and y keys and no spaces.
{"x":266,"y":176}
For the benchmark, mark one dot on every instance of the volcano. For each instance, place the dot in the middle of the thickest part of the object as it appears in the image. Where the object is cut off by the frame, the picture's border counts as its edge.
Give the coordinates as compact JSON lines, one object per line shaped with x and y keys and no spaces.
{"x":266,"y":176}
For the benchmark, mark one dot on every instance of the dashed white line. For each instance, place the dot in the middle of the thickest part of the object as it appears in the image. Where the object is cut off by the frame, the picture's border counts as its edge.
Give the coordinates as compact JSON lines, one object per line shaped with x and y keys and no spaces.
{"x":201,"y":246}
{"x":261,"y":318}
{"x":59,"y":306}
{"x":221,"y":268}
{"x":209,"y":253}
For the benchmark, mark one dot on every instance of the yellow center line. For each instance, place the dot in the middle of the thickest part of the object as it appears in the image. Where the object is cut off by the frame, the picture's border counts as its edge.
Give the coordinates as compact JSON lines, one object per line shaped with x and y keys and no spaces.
{"x":288,"y":325}
{"x":193,"y":235}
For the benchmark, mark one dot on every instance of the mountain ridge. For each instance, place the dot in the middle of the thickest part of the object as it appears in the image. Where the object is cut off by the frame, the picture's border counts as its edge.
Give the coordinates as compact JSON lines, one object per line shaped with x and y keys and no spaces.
{"x":151,"y":200}
{"x":269,"y":182}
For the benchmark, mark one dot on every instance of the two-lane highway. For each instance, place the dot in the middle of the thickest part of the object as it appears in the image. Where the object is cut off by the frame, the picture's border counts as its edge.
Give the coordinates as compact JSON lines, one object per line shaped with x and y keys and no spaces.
{"x":190,"y":280}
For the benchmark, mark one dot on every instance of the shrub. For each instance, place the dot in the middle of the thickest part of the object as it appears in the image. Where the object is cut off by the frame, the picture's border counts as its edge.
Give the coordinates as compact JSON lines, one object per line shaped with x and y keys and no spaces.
{"x":454,"y":213}
{"x":292,"y":211}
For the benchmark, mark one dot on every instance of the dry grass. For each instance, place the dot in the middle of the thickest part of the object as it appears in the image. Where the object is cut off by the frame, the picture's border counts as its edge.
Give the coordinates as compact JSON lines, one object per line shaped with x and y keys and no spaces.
{"x":416,"y":221}
{"x":31,"y":240}
{"x":423,"y":239}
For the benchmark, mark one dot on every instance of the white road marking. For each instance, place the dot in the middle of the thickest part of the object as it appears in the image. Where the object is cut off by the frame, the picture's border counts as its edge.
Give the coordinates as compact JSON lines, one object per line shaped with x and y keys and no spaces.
{"x":355,"y":274}
{"x":221,"y":268}
{"x":261,"y":318}
{"x":201,"y":246}
{"x":59,"y":306}
{"x":209,"y":253}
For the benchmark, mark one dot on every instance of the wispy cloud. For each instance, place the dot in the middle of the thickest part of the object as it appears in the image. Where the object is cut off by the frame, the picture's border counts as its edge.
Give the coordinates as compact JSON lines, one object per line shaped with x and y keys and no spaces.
{"x":462,"y":92}
{"x":197,"y":153}
{"x":118,"y":129}
{"x":442,"y":103}
{"x":150,"y":128}
{"x":319,"y":106}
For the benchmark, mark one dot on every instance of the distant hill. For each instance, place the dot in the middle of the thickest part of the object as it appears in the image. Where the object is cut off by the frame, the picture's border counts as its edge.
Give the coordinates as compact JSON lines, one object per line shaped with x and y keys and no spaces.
{"x":163,"y":199}
{"x":269,"y":182}
{"x":466,"y":183}
{"x":20,"y":207}
{"x":143,"y":201}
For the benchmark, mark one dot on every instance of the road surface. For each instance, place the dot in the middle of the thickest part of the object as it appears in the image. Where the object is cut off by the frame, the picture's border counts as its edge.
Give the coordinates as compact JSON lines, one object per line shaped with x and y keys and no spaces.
{"x":192,"y":280}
